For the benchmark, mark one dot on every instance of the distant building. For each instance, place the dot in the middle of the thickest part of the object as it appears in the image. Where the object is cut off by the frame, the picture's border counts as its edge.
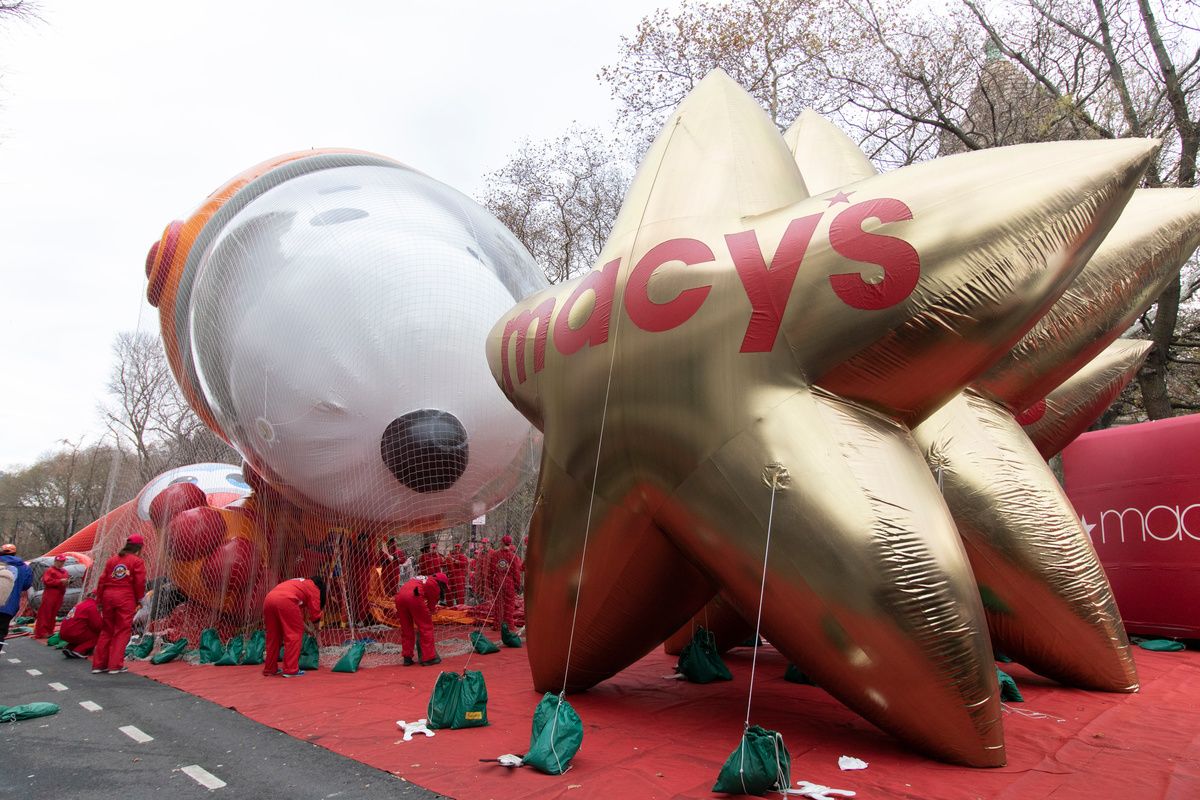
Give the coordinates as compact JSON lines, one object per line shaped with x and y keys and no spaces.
{"x":1009,"y":107}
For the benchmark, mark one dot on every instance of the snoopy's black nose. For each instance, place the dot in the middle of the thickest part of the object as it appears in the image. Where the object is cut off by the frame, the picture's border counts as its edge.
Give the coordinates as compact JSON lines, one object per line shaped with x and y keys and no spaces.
{"x":426,"y":450}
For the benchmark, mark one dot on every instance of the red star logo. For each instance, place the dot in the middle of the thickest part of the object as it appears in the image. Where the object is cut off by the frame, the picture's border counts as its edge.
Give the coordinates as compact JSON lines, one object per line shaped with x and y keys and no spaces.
{"x":840,"y":197}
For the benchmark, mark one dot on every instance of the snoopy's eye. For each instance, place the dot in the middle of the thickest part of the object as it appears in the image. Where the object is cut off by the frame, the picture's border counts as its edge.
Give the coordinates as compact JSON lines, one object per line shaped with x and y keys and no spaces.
{"x":184,"y":479}
{"x":236,"y":479}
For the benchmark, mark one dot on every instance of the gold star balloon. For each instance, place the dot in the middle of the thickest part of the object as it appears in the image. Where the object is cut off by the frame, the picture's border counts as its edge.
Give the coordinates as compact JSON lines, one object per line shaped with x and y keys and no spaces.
{"x":1048,"y":601}
{"x":729,"y":387}
{"x":1049,"y":604}
{"x":1069,"y":410}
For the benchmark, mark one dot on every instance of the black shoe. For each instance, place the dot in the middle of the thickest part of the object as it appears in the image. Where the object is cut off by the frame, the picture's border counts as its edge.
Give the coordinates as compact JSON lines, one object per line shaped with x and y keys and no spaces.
{"x":408,"y":662}
{"x":68,"y":653}
{"x":430,"y":662}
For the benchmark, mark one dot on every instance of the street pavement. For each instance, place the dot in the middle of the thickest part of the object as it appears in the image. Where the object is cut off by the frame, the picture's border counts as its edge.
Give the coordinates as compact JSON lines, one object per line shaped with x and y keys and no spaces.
{"x":128,"y":737}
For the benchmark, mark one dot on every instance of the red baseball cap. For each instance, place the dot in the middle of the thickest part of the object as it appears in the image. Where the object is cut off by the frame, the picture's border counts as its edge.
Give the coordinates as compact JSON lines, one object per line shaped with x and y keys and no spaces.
{"x":441,"y":578}
{"x":136,"y":539}
{"x":8,"y":549}
{"x":60,"y":558}
{"x":506,"y":539}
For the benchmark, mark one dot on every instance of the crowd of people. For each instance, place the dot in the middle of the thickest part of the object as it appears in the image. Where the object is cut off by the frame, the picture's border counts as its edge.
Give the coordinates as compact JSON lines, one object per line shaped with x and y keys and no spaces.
{"x":101,"y":624}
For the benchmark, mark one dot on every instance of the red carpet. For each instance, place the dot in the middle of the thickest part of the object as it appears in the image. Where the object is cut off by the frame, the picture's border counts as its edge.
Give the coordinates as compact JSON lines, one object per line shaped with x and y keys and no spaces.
{"x":646,"y":737}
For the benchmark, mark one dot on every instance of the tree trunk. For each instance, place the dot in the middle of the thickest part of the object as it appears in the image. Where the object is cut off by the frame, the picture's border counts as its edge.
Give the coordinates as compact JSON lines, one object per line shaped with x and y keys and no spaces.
{"x":1153,"y":376}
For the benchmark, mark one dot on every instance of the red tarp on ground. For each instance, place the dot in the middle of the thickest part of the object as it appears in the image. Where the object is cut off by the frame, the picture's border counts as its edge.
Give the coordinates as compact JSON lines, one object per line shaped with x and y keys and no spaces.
{"x":646,"y":737}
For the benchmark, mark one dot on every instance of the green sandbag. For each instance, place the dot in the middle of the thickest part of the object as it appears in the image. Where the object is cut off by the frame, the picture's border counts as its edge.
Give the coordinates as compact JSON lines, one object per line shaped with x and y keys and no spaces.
{"x":54,"y":640}
{"x":350,"y":659}
{"x":23,"y":621}
{"x":509,"y":638}
{"x":211,"y":648}
{"x":757,"y":765}
{"x":234,"y":655}
{"x":699,"y":661}
{"x":27,"y":711}
{"x":1008,"y":687}
{"x":458,"y":701}
{"x":557,"y":735}
{"x":310,"y":654}
{"x":144,"y":647}
{"x":256,"y":648}
{"x":170,"y":652}
{"x":139,"y":650}
{"x":483,"y":645}
{"x":1158,"y":645}
{"x":793,"y":675}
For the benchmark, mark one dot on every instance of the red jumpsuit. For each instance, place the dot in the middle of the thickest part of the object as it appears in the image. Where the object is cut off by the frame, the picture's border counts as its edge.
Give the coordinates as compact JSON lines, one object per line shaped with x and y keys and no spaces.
{"x":284,"y":609}
{"x":504,"y":579}
{"x":389,"y":574}
{"x":430,"y":563}
{"x":479,"y":574}
{"x":122,"y":585}
{"x":358,"y":579}
{"x":456,"y":570}
{"x":415,"y":603}
{"x":81,"y":627}
{"x":55,"y":579}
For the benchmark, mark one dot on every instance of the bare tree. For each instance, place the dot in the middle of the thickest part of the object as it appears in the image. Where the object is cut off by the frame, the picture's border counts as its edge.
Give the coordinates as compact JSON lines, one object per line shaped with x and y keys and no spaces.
{"x":62,"y":492}
{"x":560,"y":198}
{"x":149,"y":414}
{"x":767,"y":46}
{"x":997,"y":73}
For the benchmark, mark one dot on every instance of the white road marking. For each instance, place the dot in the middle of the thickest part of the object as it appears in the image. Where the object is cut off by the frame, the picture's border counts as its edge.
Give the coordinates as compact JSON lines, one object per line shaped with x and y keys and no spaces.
{"x":202,"y":776}
{"x":135,"y":734}
{"x":90,"y":706}
{"x":34,"y":672}
{"x":58,"y":687}
{"x":14,"y":661}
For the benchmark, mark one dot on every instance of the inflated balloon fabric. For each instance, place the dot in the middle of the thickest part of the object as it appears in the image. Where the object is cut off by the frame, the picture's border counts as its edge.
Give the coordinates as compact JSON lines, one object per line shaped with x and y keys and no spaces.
{"x":747,"y":360}
{"x":326,"y":312}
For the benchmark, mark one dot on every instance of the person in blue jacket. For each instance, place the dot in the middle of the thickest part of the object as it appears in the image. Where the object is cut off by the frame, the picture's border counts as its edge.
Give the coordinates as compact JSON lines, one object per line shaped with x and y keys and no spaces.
{"x":22,"y":580}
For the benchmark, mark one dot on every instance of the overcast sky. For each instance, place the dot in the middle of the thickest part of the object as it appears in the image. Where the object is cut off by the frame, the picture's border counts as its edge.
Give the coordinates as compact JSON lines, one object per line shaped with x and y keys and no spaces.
{"x":116,"y":118}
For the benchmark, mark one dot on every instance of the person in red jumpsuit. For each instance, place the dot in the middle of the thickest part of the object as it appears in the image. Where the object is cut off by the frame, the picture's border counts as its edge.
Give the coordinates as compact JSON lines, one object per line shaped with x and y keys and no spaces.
{"x":122,"y":585}
{"x":81,"y":628}
{"x":479,"y":571}
{"x":291,"y":608}
{"x":359,"y":563}
{"x":504,"y":581}
{"x":55,"y":580}
{"x":415,"y":603}
{"x":430,"y":561}
{"x":456,"y":570}
{"x":389,"y":573}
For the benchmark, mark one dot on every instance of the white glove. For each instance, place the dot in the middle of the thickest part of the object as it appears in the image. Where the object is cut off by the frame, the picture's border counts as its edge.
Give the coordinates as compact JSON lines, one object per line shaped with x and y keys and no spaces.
{"x":509,"y":760}
{"x":818,"y":792}
{"x":850,"y":762}
{"x":412,"y":728}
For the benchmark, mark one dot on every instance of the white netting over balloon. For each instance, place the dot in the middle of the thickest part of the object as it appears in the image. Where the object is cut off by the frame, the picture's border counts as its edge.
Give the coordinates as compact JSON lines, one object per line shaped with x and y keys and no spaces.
{"x":326,"y":314}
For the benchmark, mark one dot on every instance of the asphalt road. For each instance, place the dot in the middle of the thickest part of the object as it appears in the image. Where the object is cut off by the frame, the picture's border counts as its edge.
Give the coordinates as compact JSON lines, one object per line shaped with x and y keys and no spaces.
{"x":177,"y":747}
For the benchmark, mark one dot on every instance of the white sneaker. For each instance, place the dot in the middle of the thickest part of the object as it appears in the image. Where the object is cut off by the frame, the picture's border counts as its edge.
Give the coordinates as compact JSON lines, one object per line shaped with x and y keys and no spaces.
{"x":97,"y":671}
{"x":118,"y":671}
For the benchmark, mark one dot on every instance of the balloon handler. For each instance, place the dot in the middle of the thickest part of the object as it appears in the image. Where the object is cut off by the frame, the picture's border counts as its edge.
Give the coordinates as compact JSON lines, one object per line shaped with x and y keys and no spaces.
{"x":81,"y":628}
{"x":415,"y":603}
{"x":122,"y":585}
{"x":504,"y":582}
{"x":289,"y":610}
{"x":55,"y":580}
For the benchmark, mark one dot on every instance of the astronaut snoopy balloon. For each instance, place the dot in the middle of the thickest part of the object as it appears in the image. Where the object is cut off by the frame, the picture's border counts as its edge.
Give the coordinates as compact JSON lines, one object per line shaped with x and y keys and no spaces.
{"x":325,"y":312}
